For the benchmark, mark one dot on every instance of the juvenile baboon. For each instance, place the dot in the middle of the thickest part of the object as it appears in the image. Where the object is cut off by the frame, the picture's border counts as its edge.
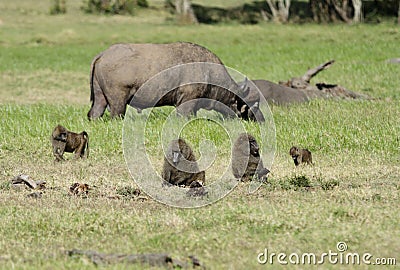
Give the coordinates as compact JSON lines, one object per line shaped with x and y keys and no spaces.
{"x":300,"y":155}
{"x":64,"y":140}
{"x":180,"y":166}
{"x":246,"y":160}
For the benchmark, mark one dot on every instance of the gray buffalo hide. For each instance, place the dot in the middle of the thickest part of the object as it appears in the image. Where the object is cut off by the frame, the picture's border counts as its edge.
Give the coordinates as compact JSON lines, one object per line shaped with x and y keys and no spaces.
{"x":275,"y":93}
{"x":183,"y":75}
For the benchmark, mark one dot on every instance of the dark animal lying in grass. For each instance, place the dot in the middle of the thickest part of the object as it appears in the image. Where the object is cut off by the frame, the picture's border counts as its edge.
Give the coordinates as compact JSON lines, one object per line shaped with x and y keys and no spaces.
{"x":299,"y":89}
{"x":118,"y":72}
{"x":275,"y":93}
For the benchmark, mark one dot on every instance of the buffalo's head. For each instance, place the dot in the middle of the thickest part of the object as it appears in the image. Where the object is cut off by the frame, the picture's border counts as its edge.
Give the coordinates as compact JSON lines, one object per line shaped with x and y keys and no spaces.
{"x":247,"y":103}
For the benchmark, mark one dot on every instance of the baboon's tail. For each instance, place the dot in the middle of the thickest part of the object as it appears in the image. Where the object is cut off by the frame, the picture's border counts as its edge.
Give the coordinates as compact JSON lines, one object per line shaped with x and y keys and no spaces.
{"x":84,"y":133}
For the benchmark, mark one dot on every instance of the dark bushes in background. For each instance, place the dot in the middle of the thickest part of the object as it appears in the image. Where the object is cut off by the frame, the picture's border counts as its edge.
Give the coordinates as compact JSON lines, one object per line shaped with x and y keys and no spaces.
{"x":58,"y":7}
{"x":300,"y":12}
{"x":113,"y":6}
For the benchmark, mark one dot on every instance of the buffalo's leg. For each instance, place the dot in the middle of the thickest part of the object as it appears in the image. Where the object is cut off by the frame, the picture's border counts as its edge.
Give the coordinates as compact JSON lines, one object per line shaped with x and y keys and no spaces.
{"x":224,"y":110}
{"x":187,"y":109}
{"x":117,"y":101}
{"x":187,"y":104}
{"x":99,"y":102}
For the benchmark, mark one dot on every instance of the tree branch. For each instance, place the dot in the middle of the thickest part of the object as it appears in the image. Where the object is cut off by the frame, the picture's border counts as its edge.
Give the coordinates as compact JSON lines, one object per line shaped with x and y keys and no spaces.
{"x":312,"y":72}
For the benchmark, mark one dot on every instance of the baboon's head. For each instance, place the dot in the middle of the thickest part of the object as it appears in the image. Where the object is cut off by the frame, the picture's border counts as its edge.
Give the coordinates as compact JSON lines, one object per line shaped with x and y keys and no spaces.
{"x":60,"y":133}
{"x":176,"y":157}
{"x":62,"y":137}
{"x":294,"y":152}
{"x":178,"y":149}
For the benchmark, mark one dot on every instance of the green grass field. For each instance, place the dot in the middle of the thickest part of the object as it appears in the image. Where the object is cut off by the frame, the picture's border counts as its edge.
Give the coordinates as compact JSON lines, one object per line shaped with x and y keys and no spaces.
{"x":353,"y":188}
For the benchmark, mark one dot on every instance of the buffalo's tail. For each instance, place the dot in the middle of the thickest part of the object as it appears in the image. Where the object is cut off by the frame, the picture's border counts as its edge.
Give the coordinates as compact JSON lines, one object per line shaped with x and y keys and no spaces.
{"x":92,"y":66}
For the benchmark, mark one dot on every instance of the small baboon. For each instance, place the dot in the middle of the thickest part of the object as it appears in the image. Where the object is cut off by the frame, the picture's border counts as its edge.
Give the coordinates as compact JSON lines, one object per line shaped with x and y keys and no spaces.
{"x":246,"y":160}
{"x":64,"y":140}
{"x":180,"y":166}
{"x":300,"y":155}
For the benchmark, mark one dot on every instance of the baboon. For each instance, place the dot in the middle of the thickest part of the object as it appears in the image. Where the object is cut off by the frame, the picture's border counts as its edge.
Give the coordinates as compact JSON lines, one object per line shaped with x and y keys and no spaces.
{"x":180,"y":166}
{"x":246,"y":160}
{"x":64,"y":140}
{"x":300,"y":155}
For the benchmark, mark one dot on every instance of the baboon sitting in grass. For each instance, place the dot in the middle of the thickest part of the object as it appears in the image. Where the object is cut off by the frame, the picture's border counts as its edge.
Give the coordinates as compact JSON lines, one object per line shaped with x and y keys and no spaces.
{"x":180,"y":166}
{"x":300,"y":155}
{"x":246,"y":160}
{"x":64,"y":140}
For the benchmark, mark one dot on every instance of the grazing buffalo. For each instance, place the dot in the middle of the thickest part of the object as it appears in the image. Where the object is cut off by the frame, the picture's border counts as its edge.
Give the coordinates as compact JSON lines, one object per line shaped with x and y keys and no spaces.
{"x":180,"y":74}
